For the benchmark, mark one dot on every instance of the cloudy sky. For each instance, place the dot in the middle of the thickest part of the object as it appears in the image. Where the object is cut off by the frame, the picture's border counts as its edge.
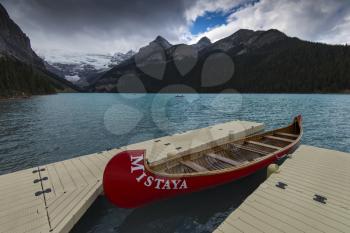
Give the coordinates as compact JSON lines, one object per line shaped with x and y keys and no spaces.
{"x":108,"y":26}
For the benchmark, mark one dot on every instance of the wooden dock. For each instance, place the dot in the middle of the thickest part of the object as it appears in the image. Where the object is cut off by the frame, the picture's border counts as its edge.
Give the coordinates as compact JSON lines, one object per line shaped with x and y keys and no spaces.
{"x":311,"y":193}
{"x":53,"y":197}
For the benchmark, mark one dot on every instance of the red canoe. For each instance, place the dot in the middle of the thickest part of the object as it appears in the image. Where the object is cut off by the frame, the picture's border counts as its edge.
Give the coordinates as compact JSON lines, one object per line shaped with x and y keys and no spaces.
{"x":129,"y":181}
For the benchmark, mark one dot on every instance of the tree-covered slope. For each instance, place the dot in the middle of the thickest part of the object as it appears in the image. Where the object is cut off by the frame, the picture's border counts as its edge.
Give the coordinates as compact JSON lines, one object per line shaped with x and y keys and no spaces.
{"x":294,"y":66}
{"x":22,"y":72}
{"x":19,"y":79}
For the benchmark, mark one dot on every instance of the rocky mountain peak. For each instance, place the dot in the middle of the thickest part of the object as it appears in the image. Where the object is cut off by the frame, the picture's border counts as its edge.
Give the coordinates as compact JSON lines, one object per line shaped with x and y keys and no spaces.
{"x":14,"y":42}
{"x":249,"y":39}
{"x":3,"y":12}
{"x":204,"y":40}
{"x":202,"y":43}
{"x":275,"y":31}
{"x":242,"y":35}
{"x":162,"y":42}
{"x":130,"y":53}
{"x":246,"y":35}
{"x":243,"y":32}
{"x":266,"y":37}
{"x":274,"y":34}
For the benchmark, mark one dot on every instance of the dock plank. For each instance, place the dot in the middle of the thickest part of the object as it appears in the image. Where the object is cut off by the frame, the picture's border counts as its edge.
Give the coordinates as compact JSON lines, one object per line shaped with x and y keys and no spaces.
{"x":65,"y":179}
{"x":303,"y":211}
{"x":55,"y":179}
{"x":310,"y":171}
{"x":269,"y":218}
{"x":244,"y":226}
{"x":261,"y":223}
{"x":309,"y":207}
{"x":299,"y":196}
{"x":226,"y":227}
{"x":20,"y":209}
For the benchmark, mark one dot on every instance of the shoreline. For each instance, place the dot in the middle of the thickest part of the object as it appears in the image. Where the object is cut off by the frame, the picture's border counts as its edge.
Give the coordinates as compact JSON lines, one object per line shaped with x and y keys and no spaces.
{"x":347,"y":92}
{"x":227,"y":93}
{"x":15,"y":97}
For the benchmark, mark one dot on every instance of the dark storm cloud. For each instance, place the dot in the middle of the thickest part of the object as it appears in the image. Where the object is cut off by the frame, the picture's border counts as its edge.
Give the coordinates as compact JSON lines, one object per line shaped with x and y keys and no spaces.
{"x":69,"y":15}
{"x":114,"y":25}
{"x":111,"y":22}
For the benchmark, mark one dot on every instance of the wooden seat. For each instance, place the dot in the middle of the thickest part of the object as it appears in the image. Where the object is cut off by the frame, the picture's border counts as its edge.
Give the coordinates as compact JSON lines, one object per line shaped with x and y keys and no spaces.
{"x":288,"y":134}
{"x":279,"y":139}
{"x":224,"y":159}
{"x":194,"y":166}
{"x":264,"y":145}
{"x":250,"y":149}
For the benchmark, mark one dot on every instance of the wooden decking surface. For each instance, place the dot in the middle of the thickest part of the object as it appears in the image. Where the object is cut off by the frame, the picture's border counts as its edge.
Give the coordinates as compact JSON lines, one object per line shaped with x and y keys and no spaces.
{"x":310,"y":171}
{"x":53,"y":197}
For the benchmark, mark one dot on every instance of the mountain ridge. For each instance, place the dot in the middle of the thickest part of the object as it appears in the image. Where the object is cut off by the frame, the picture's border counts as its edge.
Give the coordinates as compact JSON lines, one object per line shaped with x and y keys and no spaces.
{"x":264,"y":61}
{"x":250,"y":61}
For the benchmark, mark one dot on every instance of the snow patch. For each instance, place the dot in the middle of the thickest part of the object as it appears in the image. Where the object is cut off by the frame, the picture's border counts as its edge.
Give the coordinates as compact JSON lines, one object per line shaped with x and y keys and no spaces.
{"x":80,"y":67}
{"x":97,"y":61}
{"x":72,"y":78}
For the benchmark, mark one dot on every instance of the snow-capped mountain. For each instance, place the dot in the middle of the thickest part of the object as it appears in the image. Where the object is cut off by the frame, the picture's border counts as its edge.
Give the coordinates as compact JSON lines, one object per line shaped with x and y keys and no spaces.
{"x":118,"y":58}
{"x":82,"y":69}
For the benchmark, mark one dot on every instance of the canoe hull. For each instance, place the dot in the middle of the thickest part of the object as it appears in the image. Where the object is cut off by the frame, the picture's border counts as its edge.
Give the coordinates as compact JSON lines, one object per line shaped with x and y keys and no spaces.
{"x":128,"y":184}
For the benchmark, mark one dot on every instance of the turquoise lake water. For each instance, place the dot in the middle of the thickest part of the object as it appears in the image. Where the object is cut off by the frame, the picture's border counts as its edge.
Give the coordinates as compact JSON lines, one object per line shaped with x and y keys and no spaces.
{"x":46,"y":129}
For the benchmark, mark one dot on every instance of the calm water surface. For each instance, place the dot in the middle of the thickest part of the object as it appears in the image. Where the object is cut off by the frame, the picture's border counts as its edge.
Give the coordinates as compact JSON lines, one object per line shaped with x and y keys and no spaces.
{"x":46,"y":129}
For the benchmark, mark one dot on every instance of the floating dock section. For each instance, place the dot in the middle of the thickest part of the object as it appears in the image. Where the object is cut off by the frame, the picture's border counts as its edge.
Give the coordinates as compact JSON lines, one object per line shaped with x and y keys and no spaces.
{"x":310,"y":193}
{"x":53,"y":197}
